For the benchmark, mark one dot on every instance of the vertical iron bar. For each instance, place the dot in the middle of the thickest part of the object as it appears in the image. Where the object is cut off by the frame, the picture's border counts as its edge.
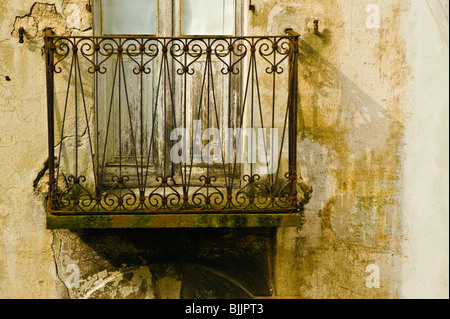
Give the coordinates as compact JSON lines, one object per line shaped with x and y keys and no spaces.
{"x":165,"y":118}
{"x":208,"y":92}
{"x":229,"y":184}
{"x":230,"y":72}
{"x":97,"y":153}
{"x":119,"y":93}
{"x":76,"y":75}
{"x":49,"y":57}
{"x":141,"y":98}
{"x":274,"y":73}
{"x":252,"y":67}
{"x":184,"y":181}
{"x":293,"y":98}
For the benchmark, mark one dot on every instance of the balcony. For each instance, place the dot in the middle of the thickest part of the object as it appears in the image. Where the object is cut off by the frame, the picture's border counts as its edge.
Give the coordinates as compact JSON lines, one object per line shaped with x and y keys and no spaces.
{"x":151,"y":132}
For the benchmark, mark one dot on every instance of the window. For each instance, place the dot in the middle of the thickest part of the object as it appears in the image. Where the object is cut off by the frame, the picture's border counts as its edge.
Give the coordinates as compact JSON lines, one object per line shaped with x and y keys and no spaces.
{"x":153,"y":17}
{"x":206,"y":17}
{"x":189,"y":17}
{"x":129,"y":17}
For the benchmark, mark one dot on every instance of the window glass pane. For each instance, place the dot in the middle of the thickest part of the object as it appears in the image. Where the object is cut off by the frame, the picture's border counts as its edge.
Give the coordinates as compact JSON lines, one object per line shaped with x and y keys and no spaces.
{"x":129,"y":16}
{"x":207,"y":17}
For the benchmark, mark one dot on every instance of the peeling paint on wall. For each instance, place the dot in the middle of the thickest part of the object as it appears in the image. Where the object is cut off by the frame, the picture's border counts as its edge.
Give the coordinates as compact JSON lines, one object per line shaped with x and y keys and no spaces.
{"x":73,"y":18}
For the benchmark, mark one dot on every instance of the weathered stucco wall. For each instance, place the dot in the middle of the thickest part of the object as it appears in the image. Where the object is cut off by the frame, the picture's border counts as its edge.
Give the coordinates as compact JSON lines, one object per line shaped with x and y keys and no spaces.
{"x":354,"y":96}
{"x":425,"y":169}
{"x":356,"y":100}
{"x":373,"y":144}
{"x":26,"y":252}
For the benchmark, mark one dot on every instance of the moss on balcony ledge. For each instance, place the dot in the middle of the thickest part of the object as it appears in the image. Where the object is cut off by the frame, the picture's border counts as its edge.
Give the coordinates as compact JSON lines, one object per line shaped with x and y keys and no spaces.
{"x":169,"y":220}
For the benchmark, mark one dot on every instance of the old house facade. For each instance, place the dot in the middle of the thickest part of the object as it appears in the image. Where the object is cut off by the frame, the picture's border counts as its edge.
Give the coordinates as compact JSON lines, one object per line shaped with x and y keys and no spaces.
{"x":367,"y":144}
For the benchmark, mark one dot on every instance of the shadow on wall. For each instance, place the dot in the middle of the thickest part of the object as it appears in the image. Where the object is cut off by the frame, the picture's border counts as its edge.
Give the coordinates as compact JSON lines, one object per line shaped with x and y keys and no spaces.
{"x":348,"y":149}
{"x":179,"y":263}
{"x":364,"y":122}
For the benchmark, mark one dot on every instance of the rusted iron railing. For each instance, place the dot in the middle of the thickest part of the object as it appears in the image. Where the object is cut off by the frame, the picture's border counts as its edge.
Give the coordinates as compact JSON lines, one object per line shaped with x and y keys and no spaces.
{"x":151,"y":125}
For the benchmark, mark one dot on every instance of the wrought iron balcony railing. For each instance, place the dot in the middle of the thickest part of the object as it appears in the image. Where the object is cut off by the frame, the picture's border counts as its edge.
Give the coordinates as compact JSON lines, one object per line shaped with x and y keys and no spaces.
{"x":172,"y":132}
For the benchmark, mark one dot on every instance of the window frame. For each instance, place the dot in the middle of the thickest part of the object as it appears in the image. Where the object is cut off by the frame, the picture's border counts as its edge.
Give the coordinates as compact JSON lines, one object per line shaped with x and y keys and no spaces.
{"x":170,"y":10}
